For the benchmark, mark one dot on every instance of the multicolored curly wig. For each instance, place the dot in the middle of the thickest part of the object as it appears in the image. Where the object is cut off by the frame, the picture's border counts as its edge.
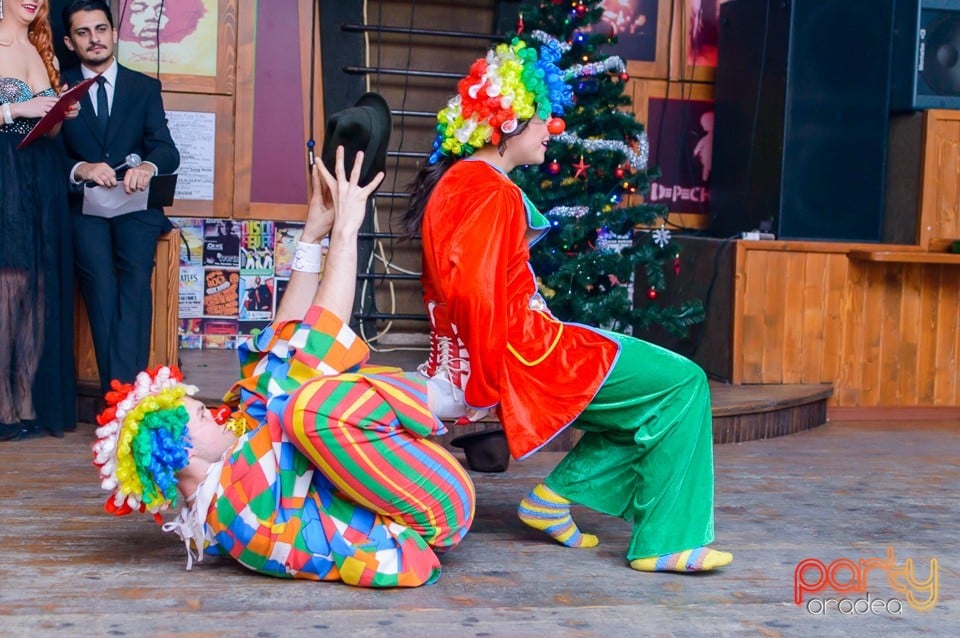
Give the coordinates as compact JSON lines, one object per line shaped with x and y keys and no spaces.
{"x":142,"y":441}
{"x":511,"y":84}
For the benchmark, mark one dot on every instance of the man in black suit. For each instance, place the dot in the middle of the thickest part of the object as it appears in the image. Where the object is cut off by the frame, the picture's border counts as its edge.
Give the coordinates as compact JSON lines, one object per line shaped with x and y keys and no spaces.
{"x":120,"y":115}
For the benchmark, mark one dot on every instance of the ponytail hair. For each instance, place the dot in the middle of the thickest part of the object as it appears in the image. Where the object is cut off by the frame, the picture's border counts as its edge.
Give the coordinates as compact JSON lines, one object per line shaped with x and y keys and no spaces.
{"x":420,"y":190}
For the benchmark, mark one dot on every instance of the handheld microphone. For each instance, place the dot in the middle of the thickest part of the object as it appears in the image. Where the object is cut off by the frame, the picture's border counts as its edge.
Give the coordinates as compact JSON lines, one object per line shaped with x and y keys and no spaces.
{"x":130,"y":161}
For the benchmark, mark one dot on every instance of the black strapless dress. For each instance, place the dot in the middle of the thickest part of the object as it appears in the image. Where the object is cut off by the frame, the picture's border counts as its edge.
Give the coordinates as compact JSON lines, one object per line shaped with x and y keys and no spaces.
{"x":37,"y":375}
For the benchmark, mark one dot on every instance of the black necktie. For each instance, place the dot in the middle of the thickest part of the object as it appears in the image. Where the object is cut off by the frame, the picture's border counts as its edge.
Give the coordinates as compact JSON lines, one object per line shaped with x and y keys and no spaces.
{"x":103,"y":111}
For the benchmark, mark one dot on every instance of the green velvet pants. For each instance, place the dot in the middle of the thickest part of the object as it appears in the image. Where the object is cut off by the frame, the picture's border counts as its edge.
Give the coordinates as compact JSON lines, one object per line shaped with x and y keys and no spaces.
{"x":646,"y":453}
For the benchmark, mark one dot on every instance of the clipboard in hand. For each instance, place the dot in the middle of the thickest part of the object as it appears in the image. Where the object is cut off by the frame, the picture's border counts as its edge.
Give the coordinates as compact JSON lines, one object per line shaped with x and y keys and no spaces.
{"x":59,"y":111}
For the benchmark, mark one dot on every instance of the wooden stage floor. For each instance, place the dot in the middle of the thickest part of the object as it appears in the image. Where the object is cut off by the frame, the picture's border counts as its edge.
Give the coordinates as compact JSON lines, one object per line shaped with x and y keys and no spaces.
{"x":844,"y":490}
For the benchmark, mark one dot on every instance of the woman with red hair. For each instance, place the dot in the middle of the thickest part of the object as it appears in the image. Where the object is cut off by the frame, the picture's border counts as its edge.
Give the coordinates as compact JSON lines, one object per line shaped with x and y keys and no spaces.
{"x":36,"y":293}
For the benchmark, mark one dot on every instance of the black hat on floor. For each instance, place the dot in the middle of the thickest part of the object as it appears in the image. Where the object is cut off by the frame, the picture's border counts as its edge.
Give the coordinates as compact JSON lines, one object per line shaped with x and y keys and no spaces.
{"x":485,"y":451}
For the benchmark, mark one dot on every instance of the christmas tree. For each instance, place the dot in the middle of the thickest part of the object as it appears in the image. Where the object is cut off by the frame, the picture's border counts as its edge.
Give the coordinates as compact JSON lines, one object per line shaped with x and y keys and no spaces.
{"x":591,"y":188}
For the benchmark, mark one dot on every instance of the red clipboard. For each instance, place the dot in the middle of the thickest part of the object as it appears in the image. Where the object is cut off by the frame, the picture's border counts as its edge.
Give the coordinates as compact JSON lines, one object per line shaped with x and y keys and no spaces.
{"x":58,"y":112}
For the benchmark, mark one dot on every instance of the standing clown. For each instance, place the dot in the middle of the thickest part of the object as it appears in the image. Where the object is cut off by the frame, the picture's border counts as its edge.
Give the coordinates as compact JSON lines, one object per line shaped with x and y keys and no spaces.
{"x":645,"y":453}
{"x":317,"y":467}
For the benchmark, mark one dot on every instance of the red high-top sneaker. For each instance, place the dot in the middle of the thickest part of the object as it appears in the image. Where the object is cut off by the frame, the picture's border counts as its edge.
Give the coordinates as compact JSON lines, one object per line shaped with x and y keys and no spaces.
{"x":447,"y":367}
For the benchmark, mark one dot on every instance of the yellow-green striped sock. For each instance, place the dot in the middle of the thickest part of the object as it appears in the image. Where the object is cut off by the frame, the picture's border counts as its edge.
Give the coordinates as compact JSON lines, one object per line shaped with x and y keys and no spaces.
{"x":700,"y":559}
{"x":547,"y":511}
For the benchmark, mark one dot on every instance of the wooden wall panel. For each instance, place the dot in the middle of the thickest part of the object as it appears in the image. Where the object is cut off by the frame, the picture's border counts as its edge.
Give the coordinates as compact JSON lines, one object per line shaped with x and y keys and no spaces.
{"x":885,"y":334}
{"x":940,"y":198}
{"x":774,"y":315}
{"x":814,"y":311}
{"x":945,"y":390}
{"x":793,"y":331}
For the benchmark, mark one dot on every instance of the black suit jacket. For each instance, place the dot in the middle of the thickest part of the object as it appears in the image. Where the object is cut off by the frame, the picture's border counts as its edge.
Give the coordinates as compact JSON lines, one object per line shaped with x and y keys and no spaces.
{"x":137,"y":124}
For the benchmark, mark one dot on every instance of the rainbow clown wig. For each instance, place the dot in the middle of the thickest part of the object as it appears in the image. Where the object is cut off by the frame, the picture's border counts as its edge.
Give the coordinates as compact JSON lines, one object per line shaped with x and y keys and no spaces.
{"x":511,"y":84}
{"x":142,"y":441}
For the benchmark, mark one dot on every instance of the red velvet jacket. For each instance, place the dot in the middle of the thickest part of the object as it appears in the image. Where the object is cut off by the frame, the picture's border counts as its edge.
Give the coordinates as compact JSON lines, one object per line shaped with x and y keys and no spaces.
{"x":542,"y":373}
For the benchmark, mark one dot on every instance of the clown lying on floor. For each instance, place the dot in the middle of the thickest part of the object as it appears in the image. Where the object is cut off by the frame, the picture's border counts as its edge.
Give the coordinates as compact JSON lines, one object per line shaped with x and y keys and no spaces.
{"x":318,"y":469}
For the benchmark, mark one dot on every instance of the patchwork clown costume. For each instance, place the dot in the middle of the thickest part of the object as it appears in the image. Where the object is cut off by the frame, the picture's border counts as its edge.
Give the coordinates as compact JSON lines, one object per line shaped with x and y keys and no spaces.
{"x":333,"y":478}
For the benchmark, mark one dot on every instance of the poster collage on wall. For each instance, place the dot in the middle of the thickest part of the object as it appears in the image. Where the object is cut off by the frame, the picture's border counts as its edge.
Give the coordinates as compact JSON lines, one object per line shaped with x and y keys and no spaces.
{"x":232,"y":278}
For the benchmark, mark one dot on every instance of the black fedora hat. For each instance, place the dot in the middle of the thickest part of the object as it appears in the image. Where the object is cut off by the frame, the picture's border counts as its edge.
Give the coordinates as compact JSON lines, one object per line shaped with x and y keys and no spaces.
{"x":365,"y":126}
{"x":485,"y":451}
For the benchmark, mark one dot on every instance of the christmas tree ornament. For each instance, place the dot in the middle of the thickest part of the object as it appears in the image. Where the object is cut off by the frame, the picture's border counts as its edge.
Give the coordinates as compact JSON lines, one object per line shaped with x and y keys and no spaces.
{"x":652,"y":293}
{"x":553,"y":167}
{"x":661,"y":236}
{"x":581,"y":168}
{"x":618,"y":172}
{"x":676,"y":264}
{"x":624,"y":76}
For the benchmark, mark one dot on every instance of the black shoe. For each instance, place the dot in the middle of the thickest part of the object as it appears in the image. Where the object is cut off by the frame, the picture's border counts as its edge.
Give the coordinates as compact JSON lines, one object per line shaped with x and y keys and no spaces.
{"x":9,"y":431}
{"x":30,"y":430}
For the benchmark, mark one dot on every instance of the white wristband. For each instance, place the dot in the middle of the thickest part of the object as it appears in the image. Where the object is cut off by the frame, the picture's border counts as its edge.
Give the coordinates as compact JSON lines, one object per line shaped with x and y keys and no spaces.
{"x":7,"y":117}
{"x":307,"y":258}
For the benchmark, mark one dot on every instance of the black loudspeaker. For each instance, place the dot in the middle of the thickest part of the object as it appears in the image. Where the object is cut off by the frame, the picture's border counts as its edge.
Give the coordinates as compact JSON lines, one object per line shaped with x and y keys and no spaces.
{"x":802,"y":105}
{"x":925,"y":72}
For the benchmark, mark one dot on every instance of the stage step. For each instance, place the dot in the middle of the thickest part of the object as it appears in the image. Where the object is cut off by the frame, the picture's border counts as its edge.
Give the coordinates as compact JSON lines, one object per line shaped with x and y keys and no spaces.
{"x":740,"y":412}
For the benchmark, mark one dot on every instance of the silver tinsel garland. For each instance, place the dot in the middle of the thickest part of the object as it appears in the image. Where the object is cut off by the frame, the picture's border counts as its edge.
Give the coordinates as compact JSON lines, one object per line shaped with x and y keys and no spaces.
{"x":613,"y":63}
{"x":546,"y":38}
{"x":568,"y":211}
{"x":637,"y":160}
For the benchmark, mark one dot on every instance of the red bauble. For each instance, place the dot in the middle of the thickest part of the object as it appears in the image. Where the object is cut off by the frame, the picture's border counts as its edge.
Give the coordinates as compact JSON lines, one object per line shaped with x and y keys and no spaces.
{"x":556,"y":126}
{"x":624,"y":76}
{"x":652,"y":293}
{"x":553,"y":167}
{"x":618,"y":172}
{"x":581,"y":10}
{"x":676,"y":265}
